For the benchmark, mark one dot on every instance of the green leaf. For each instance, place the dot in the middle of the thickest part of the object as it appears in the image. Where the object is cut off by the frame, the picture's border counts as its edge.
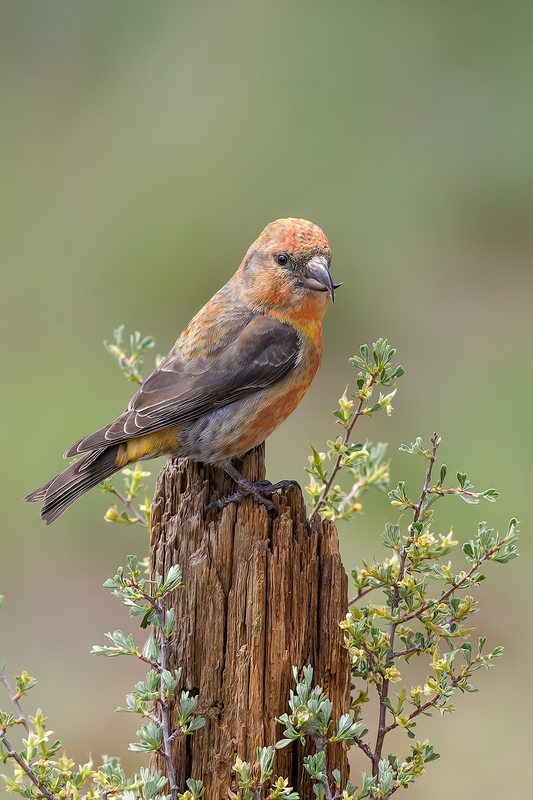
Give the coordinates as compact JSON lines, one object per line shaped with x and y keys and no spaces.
{"x":150,"y":739}
{"x":466,"y":649}
{"x":470,"y":500}
{"x":468,"y":549}
{"x":391,"y":535}
{"x":265,"y":756}
{"x":173,"y":580}
{"x":461,"y":477}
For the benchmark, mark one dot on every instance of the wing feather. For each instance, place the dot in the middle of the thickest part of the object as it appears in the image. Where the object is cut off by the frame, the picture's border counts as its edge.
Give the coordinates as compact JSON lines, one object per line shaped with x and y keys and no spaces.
{"x":264,"y":352}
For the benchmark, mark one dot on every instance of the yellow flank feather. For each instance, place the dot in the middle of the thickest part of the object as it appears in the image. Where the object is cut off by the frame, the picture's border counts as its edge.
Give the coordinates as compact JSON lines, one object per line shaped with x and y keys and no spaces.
{"x":159,"y":443}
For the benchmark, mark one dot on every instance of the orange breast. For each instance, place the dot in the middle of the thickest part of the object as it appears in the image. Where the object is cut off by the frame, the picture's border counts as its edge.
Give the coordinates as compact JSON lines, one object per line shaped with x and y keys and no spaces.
{"x":259,"y":417}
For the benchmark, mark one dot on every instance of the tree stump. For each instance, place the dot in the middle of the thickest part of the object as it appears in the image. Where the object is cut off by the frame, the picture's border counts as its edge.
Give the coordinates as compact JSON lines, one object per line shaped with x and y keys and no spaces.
{"x":261,"y":594}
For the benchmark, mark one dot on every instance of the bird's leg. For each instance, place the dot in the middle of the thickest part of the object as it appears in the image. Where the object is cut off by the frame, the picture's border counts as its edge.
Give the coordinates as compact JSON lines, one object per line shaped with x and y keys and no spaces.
{"x":245,"y":488}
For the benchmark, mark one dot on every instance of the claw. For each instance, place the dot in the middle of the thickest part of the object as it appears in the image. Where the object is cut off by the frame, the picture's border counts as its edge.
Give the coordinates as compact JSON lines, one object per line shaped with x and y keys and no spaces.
{"x":238,"y":496}
{"x":245,"y":488}
{"x":223,"y":502}
{"x":266,"y":487}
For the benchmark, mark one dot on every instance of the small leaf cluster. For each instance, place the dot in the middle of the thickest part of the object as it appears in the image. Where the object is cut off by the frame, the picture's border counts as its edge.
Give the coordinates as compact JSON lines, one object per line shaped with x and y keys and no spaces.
{"x":131,"y":364}
{"x":253,"y":783}
{"x":134,"y":484}
{"x":424,"y":609}
{"x":195,"y":790}
{"x":134,"y":479}
{"x":37,"y":774}
{"x":464,"y":488}
{"x":376,"y":369}
{"x":365,"y":464}
{"x":146,"y":599}
{"x":310,"y":717}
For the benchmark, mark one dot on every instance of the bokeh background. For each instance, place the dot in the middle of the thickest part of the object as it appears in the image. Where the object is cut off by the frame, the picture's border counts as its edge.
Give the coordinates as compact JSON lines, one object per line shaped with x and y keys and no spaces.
{"x":143,"y":147}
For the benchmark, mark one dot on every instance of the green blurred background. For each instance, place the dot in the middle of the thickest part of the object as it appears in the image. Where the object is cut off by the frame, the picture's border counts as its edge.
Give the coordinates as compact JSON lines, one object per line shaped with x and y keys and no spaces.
{"x":143,"y":147}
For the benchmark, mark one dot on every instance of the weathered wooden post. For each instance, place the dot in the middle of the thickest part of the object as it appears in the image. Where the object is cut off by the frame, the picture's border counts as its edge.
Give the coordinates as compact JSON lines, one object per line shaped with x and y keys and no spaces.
{"x":261,"y":594}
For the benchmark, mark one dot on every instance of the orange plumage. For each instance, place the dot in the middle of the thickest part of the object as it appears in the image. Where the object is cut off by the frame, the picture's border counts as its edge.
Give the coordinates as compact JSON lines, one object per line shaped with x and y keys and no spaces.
{"x":237,"y":371}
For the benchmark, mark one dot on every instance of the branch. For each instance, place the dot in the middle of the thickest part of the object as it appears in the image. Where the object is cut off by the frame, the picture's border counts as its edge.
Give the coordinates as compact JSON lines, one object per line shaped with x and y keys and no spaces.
{"x":165,"y":723}
{"x":350,"y":497}
{"x":365,"y":748}
{"x":320,"y":746}
{"x":435,"y":442}
{"x":453,"y":588}
{"x":133,"y":584}
{"x":402,"y":653}
{"x":430,"y":704}
{"x":14,"y":700}
{"x":441,"y":492}
{"x":361,"y":593}
{"x":129,"y":505}
{"x":338,"y":463}
{"x":177,"y":732}
{"x":153,"y":717}
{"x":395,"y":601}
{"x":130,"y":362}
{"x":12,"y":753}
{"x":149,"y":661}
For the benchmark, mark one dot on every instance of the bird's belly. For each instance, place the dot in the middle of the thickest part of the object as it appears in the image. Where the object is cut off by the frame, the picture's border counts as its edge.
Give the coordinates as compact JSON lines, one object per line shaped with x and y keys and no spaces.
{"x":236,"y":428}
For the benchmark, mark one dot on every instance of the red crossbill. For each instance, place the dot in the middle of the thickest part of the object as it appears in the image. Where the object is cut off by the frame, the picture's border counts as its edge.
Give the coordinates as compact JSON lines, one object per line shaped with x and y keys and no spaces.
{"x":237,"y":371}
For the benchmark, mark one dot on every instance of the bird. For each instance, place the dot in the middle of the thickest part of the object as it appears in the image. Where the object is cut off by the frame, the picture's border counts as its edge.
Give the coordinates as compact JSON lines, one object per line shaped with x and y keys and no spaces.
{"x":236,"y":372}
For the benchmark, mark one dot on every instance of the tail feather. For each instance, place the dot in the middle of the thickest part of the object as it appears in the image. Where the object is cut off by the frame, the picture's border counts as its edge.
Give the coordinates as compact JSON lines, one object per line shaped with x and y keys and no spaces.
{"x":63,"y":490}
{"x":38,"y":494}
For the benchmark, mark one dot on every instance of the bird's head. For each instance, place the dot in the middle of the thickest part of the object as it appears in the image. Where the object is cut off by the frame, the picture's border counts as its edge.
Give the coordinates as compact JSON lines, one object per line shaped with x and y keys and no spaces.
{"x":287,"y":269}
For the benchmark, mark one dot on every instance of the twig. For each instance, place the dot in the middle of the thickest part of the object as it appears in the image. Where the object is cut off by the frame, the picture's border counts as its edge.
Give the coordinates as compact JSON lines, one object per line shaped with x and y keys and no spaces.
{"x":153,"y":717}
{"x":320,"y":746}
{"x":361,"y":594}
{"x":395,"y":600}
{"x":453,"y":588}
{"x":167,"y":741}
{"x":365,"y":748}
{"x":430,"y":704}
{"x":147,"y":660}
{"x":458,"y":490}
{"x":435,"y":442}
{"x":14,"y":700}
{"x":129,"y":505}
{"x":12,"y":753}
{"x":360,"y":484}
{"x":175,"y":733}
{"x":129,"y":362}
{"x":402,"y":653}
{"x":338,"y":463}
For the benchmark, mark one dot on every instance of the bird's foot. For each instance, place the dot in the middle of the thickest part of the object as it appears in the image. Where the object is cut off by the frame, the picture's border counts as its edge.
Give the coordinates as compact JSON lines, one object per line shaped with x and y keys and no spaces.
{"x":245,"y":488}
{"x":236,"y":497}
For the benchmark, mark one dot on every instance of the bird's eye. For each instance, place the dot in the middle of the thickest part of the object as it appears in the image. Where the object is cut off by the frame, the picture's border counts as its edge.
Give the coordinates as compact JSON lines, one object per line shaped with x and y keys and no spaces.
{"x":282,"y":259}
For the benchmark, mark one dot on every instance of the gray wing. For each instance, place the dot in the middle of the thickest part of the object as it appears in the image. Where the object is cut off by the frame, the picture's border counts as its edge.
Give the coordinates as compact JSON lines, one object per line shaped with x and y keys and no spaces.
{"x":179,"y":390}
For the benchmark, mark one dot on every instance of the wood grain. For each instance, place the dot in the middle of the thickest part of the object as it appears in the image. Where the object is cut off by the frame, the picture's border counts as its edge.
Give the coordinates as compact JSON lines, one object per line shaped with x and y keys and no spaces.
{"x":261,"y":594}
